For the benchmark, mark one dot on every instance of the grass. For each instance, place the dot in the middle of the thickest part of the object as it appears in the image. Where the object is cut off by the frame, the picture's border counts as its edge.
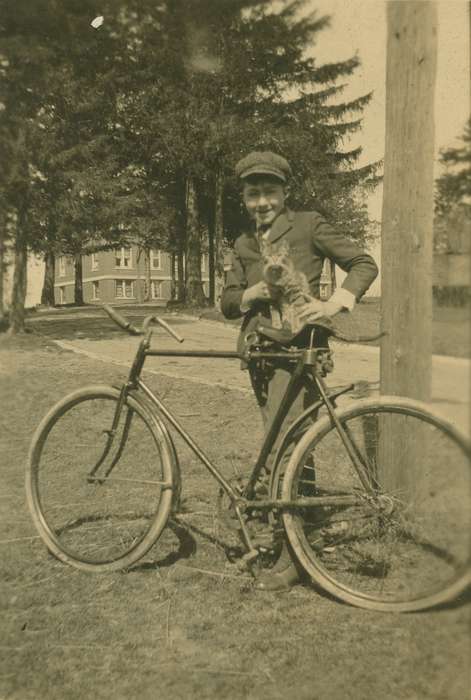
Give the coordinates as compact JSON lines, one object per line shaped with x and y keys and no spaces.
{"x":193,"y":628}
{"x":451,"y":325}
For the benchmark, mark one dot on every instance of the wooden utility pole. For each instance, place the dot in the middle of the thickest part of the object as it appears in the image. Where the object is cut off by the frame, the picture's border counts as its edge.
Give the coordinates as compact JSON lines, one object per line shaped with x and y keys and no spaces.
{"x":407,"y":230}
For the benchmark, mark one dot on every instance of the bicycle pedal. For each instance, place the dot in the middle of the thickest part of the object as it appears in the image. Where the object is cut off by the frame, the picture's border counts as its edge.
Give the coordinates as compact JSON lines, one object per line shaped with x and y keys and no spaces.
{"x":266,"y":550}
{"x":246,"y":560}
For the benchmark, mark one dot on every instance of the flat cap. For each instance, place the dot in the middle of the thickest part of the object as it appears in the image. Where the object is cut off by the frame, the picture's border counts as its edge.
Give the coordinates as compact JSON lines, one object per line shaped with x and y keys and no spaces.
{"x":263,"y":163}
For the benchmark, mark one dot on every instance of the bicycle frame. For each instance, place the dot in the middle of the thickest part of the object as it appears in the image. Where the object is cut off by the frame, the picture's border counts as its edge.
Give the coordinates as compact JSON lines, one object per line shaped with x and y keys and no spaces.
{"x":385,"y":545}
{"x":305,"y":362}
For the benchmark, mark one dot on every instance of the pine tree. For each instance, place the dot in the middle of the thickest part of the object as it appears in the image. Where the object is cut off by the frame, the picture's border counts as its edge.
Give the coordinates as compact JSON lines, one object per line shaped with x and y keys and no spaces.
{"x":452,"y":227}
{"x":52,"y":100}
{"x":225,"y":77}
{"x":132,"y":130}
{"x":453,"y":187}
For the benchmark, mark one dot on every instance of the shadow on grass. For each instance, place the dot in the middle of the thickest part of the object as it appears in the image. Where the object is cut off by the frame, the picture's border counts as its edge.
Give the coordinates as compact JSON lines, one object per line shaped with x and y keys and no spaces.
{"x":187,"y":545}
{"x":186,"y":548}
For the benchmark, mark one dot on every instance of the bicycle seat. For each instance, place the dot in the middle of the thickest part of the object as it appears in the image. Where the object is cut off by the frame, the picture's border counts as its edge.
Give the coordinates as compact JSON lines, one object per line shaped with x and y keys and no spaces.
{"x":284,"y":336}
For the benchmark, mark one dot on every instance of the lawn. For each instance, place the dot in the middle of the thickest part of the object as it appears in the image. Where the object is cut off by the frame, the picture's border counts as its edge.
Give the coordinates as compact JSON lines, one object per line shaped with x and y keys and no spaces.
{"x":187,"y":626}
{"x":451,"y":327}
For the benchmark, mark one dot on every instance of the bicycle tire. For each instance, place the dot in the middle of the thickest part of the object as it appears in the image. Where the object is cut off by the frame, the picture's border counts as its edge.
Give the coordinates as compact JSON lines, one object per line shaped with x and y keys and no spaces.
{"x":105,"y":526}
{"x":406,"y":550}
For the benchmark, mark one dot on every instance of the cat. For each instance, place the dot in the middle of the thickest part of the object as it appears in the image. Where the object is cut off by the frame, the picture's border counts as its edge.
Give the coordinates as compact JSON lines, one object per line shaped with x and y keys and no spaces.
{"x":289,"y":287}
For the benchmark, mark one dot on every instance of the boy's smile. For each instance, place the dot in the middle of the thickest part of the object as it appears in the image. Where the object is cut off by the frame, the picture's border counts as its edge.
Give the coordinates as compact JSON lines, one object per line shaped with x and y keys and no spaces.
{"x":264,"y":198}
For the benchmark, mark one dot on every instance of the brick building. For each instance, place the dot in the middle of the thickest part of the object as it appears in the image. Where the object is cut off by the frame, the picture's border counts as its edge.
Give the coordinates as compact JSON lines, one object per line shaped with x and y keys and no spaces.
{"x":118,"y":276}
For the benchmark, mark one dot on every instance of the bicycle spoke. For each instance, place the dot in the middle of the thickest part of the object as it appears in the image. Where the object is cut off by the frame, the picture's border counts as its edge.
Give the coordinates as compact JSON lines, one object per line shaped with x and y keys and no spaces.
{"x":410,"y":542}
{"x":99,"y":517}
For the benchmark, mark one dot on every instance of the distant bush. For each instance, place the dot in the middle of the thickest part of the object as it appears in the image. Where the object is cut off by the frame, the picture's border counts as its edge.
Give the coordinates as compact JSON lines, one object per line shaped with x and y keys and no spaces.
{"x":452,"y":296}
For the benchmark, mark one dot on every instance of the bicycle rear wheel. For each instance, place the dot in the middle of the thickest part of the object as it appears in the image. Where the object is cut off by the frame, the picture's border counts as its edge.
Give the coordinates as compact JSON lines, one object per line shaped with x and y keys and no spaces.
{"x":399,"y":538}
{"x":100,"y":495}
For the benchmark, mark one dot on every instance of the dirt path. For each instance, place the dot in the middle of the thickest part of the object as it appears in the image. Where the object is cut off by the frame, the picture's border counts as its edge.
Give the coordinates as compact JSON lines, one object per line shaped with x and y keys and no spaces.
{"x":450,"y":382}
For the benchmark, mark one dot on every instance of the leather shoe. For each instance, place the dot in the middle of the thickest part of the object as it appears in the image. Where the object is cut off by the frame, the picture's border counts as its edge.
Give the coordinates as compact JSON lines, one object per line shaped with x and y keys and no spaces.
{"x":278,"y":581}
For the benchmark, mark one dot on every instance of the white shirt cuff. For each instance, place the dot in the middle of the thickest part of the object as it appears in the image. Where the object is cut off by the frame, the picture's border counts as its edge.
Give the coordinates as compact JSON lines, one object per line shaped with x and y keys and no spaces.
{"x":244,"y":308}
{"x":344,"y":298}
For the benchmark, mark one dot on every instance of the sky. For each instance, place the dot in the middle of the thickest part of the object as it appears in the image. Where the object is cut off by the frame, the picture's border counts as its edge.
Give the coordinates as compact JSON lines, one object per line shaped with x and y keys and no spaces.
{"x":359,"y":26}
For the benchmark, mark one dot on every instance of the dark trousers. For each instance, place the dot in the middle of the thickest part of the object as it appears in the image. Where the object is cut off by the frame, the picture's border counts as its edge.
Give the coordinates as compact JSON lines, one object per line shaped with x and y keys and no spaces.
{"x":269,"y":388}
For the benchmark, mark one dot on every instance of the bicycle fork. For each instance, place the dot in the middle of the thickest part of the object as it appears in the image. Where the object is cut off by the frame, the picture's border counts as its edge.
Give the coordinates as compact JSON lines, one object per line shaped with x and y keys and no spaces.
{"x":111,"y":433}
{"x":132,"y":380}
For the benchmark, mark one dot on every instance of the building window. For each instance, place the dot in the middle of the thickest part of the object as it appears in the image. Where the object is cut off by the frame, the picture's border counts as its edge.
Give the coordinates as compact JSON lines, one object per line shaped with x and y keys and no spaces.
{"x":123,"y":257}
{"x":203,"y":263}
{"x":61,"y":295}
{"x":124,"y":289}
{"x":156,"y":289}
{"x":94,"y":261}
{"x":155,"y":260}
{"x":62,"y":266}
{"x":95,"y":291}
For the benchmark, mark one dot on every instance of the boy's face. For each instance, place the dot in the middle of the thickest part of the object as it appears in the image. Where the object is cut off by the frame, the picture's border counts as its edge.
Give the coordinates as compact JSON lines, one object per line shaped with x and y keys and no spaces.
{"x":264,"y":197}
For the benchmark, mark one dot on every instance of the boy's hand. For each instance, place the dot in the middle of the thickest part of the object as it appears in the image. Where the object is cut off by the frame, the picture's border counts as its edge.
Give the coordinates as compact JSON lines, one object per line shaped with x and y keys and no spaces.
{"x":316,"y":309}
{"x":258,"y":292}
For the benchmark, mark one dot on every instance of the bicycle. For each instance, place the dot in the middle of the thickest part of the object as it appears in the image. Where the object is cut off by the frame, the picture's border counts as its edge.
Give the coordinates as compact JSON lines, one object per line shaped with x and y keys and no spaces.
{"x":374,"y":500}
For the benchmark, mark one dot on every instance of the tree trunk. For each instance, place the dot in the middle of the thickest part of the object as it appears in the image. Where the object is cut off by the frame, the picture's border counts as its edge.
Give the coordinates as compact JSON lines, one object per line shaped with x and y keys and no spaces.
{"x":180,"y":236}
{"x":18,"y":292}
{"x":147,"y":279}
{"x":3,"y":234}
{"x":407,"y":235}
{"x":211,"y":262}
{"x":219,"y":232}
{"x":173,"y":281}
{"x":47,"y":294}
{"x":78,"y":284}
{"x":137,"y":286}
{"x":181,"y":272}
{"x":194,"y":287}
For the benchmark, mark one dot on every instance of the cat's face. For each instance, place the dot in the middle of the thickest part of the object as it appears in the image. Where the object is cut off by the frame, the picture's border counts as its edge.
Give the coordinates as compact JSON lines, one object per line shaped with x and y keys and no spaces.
{"x":276,"y":263}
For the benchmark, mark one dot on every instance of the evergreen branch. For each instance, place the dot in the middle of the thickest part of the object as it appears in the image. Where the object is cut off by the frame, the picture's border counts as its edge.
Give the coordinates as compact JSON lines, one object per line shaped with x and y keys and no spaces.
{"x":330,"y":72}
{"x":339,"y":110}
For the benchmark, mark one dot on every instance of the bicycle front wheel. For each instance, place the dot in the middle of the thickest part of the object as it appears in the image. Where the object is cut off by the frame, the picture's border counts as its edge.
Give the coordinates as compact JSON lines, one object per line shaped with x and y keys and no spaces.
{"x":393,"y":533}
{"x":99,"y":488}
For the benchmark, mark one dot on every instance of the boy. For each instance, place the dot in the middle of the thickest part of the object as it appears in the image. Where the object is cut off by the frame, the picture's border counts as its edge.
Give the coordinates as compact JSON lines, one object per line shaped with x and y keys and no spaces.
{"x":264,"y":177}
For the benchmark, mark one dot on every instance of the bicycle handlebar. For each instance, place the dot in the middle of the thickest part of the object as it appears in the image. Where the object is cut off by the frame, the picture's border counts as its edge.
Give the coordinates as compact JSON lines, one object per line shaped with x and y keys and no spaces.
{"x":132,"y":330}
{"x":339,"y":335}
{"x":358,"y":338}
{"x":164,"y":324}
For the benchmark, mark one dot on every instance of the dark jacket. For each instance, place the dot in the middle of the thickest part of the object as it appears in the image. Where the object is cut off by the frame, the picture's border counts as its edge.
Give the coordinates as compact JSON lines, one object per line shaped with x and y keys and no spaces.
{"x":311,"y":240}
